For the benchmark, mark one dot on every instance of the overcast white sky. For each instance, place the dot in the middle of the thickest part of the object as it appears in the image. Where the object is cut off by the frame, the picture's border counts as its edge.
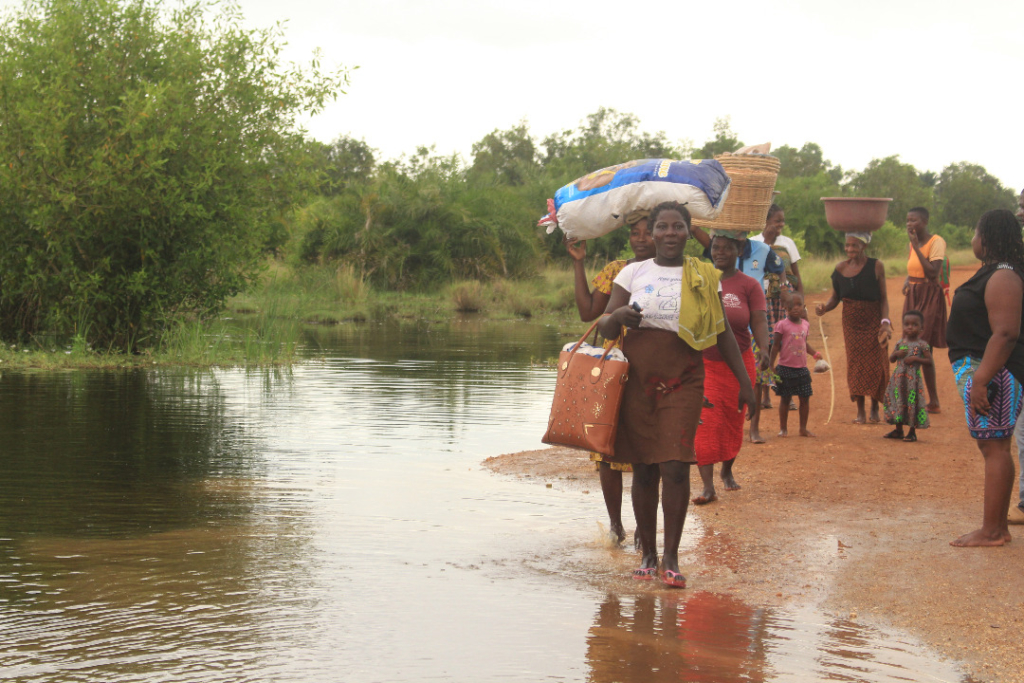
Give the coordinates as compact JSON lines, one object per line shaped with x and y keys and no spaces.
{"x":934,"y":81}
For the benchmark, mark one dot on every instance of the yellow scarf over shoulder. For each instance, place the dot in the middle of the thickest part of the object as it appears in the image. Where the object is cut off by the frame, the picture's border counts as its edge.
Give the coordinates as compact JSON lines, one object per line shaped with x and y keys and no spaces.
{"x":701,"y":318}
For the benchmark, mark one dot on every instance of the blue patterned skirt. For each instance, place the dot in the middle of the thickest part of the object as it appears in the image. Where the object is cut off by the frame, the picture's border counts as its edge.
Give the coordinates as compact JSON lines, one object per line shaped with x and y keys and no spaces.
{"x":1005,"y":404}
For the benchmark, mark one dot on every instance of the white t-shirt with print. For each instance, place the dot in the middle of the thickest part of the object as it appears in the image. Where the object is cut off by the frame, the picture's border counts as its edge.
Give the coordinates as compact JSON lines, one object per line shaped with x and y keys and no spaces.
{"x":786,"y":243}
{"x":657,"y":289}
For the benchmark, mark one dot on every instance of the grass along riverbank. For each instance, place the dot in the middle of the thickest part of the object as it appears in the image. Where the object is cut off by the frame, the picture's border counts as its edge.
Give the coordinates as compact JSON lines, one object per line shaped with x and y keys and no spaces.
{"x":263,"y":327}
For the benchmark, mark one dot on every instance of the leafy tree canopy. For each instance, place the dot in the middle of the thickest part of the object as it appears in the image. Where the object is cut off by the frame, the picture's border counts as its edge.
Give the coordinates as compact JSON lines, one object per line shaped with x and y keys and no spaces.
{"x":146,"y":152}
{"x":965,"y":191}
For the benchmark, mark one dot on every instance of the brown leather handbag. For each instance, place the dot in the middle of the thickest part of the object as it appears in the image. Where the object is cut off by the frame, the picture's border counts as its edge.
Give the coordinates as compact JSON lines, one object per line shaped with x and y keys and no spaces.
{"x":588,"y":394}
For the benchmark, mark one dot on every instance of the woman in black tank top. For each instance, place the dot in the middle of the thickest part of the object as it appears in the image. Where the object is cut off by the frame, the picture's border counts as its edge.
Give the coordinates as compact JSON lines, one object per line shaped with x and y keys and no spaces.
{"x":987,"y":352}
{"x":859,"y":283}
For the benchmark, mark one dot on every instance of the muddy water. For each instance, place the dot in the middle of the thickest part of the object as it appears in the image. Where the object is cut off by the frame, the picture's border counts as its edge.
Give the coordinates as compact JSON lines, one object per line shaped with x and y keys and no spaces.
{"x":332,"y":522}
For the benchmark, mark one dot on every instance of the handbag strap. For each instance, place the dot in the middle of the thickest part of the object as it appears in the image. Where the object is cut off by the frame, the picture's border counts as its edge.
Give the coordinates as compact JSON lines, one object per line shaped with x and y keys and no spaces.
{"x":608,"y":345}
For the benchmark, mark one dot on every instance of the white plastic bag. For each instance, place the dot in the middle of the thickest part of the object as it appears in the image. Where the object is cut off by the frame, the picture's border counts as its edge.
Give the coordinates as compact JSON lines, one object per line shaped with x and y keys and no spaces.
{"x":598,"y":203}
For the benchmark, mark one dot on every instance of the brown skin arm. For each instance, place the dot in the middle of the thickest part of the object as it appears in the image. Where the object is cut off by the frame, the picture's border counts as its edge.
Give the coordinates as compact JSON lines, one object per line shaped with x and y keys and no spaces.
{"x":799,"y":280}
{"x":617,"y":314}
{"x":931,"y":268}
{"x":702,"y":237}
{"x":1003,"y":296}
{"x":590,"y":304}
{"x":833,"y":301}
{"x":730,"y":351}
{"x":776,"y":345}
{"x":759,"y":326}
{"x":896,"y":354}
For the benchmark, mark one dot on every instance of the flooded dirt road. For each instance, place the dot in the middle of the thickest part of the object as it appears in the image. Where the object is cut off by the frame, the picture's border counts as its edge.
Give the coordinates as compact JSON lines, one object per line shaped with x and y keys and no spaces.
{"x":333,"y":522}
{"x":850,"y":524}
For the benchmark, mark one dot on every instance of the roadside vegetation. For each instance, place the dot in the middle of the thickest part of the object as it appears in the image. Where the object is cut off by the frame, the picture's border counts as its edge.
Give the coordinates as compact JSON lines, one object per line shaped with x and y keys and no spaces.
{"x":168,"y":208}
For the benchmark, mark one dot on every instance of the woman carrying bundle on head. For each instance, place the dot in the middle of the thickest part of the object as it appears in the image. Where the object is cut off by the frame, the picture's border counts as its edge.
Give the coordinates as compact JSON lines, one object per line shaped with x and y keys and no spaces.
{"x":673,"y":310}
{"x":759,"y":261}
{"x":777,"y":287}
{"x":590,"y":305}
{"x":859,"y":283}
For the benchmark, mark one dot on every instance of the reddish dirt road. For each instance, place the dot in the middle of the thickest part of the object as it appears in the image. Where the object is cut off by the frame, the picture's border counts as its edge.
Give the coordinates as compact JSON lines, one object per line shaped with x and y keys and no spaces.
{"x":854,"y":522}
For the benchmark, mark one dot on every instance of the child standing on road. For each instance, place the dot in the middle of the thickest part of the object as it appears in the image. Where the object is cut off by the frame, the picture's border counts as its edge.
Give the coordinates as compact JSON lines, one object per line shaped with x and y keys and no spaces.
{"x":905,"y":403}
{"x":793,"y":378}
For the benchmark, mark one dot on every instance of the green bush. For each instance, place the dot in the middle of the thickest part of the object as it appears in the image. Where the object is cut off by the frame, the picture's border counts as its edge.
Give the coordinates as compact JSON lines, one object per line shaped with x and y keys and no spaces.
{"x":148,"y":155}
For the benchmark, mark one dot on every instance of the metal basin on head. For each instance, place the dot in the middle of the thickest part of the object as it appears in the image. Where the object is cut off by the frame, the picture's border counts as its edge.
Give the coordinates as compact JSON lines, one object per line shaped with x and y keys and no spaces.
{"x":856,"y":214}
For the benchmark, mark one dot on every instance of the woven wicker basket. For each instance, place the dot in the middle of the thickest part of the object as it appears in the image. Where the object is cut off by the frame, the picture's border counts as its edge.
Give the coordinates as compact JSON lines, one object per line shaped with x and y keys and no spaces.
{"x":750,"y":195}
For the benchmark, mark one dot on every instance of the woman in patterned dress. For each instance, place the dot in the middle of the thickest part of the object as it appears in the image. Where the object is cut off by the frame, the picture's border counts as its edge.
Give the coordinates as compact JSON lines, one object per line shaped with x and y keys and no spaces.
{"x":591,"y":304}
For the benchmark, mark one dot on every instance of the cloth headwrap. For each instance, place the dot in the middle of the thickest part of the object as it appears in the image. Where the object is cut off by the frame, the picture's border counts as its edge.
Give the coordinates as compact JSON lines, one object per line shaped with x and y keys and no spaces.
{"x":701,"y":318}
{"x":738,"y":235}
{"x":634,"y":217}
{"x":864,"y":237}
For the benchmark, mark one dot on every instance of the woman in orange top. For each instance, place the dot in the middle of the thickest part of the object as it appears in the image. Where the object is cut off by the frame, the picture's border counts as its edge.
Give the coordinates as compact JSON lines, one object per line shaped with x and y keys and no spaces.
{"x":923,"y":290}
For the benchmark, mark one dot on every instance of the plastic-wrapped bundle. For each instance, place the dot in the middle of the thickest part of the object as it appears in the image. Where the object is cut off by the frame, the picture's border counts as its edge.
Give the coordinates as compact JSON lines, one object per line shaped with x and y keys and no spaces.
{"x":598,"y":203}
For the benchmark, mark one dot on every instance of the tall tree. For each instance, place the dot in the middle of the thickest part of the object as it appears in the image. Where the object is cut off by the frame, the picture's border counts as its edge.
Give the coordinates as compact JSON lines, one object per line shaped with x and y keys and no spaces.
{"x":145,"y":153}
{"x":344,"y":161}
{"x":964,"y":191}
{"x":809,"y":160}
{"x":508,"y":156}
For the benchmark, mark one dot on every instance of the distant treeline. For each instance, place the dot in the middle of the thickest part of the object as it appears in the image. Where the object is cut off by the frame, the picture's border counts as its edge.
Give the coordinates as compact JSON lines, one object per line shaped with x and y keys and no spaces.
{"x":426,"y":219}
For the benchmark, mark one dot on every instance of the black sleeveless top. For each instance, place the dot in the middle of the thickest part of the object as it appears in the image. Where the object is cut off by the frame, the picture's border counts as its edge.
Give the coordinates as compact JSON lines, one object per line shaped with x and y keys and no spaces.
{"x":968,"y":331}
{"x":861,"y":287}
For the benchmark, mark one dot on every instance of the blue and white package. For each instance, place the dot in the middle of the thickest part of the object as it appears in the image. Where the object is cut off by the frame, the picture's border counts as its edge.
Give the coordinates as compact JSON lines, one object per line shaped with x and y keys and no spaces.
{"x":598,"y":203}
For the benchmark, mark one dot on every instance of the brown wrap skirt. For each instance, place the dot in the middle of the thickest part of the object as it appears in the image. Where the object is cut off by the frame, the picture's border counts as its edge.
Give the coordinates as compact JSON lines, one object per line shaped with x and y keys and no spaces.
{"x":867,"y":361}
{"x":662,"y":400}
{"x":927,"y":296}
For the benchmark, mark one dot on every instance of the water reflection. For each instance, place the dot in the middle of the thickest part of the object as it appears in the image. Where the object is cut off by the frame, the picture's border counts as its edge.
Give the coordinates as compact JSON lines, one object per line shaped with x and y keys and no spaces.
{"x":671,"y":636}
{"x":332,"y":522}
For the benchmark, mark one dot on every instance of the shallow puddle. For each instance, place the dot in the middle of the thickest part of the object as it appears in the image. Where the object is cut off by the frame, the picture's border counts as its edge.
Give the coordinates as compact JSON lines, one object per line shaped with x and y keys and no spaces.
{"x":332,"y":522}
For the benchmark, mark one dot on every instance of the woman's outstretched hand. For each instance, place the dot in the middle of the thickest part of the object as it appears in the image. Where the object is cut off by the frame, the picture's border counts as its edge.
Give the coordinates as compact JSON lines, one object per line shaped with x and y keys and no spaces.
{"x":747,"y":399}
{"x":576,"y":248}
{"x":884,"y":333}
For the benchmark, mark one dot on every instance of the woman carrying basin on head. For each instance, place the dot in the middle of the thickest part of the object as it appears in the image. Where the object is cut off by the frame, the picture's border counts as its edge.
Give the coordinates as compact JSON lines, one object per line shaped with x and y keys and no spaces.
{"x":680,"y":315}
{"x":590,"y":305}
{"x":859,"y":283}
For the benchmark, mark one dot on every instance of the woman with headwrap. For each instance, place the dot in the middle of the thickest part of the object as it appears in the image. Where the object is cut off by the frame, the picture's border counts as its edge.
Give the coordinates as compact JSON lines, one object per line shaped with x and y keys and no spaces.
{"x":590,"y":305}
{"x":756,"y":260}
{"x":859,"y":283}
{"x":720,"y":433}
